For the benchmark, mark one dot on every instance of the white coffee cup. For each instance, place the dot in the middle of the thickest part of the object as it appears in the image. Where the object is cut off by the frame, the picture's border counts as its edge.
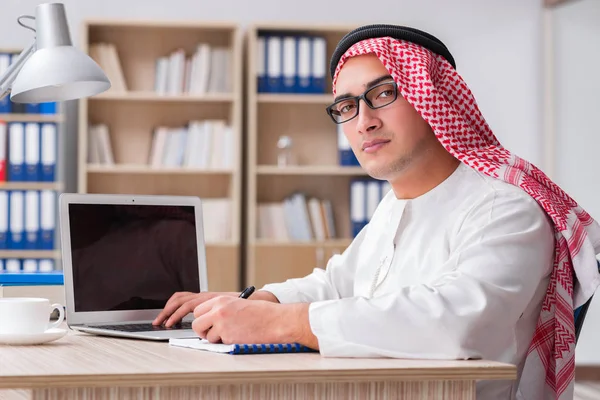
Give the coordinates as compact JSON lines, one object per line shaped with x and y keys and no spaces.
{"x":27,"y":315}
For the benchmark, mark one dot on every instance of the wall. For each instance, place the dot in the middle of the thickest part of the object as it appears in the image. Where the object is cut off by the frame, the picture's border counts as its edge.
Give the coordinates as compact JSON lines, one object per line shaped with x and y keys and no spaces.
{"x":577,"y":105}
{"x":496,"y":45}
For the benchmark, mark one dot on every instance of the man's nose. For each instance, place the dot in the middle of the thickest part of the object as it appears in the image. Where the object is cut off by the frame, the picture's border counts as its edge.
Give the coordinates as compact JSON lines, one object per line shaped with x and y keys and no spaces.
{"x":367,"y":119}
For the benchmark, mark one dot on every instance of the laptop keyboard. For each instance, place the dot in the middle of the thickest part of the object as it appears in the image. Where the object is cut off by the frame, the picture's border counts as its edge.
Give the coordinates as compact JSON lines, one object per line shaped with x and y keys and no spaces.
{"x":144,"y":327}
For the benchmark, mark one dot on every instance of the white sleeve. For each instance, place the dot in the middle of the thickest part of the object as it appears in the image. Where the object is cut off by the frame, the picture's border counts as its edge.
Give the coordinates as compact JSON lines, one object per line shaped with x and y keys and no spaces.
{"x":334,"y":282}
{"x":501,"y":253}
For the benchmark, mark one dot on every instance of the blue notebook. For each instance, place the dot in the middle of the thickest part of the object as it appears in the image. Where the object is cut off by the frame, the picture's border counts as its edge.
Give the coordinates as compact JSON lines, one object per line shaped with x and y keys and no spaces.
{"x":202,"y":344}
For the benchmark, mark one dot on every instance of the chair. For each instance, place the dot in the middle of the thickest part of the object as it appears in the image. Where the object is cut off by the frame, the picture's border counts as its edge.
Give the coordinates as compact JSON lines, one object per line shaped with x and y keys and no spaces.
{"x":580,"y":314}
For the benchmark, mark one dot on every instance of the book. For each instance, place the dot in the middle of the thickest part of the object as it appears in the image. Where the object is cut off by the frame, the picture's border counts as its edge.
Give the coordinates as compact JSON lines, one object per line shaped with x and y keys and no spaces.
{"x":203,"y":344}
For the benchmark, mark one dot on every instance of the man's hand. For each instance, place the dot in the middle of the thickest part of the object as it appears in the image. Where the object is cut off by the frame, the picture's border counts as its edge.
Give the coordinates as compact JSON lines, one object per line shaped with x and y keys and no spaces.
{"x":183,"y":303}
{"x":230,"y":320}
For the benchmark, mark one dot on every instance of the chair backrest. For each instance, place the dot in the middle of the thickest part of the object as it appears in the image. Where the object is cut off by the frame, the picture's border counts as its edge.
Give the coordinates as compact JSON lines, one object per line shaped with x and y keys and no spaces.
{"x":580,"y":313}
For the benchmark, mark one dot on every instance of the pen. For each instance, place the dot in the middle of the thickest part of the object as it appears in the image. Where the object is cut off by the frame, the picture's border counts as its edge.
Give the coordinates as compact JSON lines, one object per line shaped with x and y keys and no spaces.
{"x":247,"y":292}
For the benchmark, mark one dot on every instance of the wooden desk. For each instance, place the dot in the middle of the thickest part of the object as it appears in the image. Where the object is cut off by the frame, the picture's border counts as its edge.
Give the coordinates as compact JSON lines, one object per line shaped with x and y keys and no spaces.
{"x":82,"y":366}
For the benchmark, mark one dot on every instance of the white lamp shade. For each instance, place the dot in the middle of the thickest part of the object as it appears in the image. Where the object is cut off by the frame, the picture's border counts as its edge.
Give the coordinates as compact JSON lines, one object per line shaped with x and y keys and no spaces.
{"x":58,"y":74}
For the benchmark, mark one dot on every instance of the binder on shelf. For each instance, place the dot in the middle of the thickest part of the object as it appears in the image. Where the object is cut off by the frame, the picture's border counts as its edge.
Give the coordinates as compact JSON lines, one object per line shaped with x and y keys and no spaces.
{"x":46,"y":265}
{"x":274,"y":64}
{"x":47,"y":219}
{"x":289,"y":63}
{"x":11,"y":265}
{"x":16,"y":219}
{"x":32,"y":108}
{"x":48,"y":108}
{"x":5,"y":103}
{"x":32,"y":152}
{"x":289,"y":55}
{"x":49,"y":139}
{"x":30,"y":265}
{"x":319,"y":64}
{"x":304,"y":58}
{"x":261,"y":62}
{"x":358,"y":208}
{"x":347,"y":158}
{"x":32,"y":219}
{"x":205,"y":345}
{"x":3,"y":151}
{"x":4,"y":220}
{"x":16,"y":152}
{"x":373,"y":197}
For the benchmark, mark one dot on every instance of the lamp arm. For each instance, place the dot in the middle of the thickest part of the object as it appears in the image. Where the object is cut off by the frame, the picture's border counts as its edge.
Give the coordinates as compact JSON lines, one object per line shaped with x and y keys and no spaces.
{"x":11,"y":73}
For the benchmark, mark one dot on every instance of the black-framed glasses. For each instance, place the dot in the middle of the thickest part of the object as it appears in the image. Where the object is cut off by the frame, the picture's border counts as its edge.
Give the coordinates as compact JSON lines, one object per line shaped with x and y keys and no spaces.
{"x":378,"y":96}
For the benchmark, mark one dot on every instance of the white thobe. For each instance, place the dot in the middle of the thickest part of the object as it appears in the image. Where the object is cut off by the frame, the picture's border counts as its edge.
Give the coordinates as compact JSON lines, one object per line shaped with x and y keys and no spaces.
{"x":459,"y":272}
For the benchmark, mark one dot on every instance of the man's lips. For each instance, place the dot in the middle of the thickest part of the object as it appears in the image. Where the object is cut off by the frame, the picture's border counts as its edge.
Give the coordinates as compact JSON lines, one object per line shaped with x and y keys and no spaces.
{"x":374,"y":145}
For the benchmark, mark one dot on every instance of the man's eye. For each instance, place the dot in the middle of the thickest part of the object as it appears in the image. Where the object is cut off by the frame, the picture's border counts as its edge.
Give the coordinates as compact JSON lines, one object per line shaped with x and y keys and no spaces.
{"x":345,"y":108}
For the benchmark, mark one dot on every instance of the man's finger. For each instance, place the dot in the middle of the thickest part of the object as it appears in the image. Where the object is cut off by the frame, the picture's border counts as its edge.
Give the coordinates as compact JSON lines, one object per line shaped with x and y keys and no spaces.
{"x":171,"y":306}
{"x":203,"y":324}
{"x":204,"y":307}
{"x":213,"y":336}
{"x":181,"y":312}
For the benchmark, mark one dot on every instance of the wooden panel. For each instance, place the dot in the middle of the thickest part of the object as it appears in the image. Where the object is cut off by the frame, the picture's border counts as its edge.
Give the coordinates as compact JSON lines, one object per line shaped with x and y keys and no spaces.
{"x":131,"y":124}
{"x":15,"y":117}
{"x":276,"y":263}
{"x":138,"y":46}
{"x":223,"y":264}
{"x":58,"y":186}
{"x":334,"y":188}
{"x":177,"y":184}
{"x":435,"y":390}
{"x":313,"y":133}
{"x":29,"y":253}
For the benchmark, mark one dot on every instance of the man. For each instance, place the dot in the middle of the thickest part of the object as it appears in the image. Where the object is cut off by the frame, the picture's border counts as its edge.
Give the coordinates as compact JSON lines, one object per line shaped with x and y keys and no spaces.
{"x":471,"y":255}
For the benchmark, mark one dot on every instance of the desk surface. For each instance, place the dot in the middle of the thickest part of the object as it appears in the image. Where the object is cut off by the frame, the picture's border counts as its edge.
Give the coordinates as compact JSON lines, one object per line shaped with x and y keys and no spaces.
{"x":83,"y":359}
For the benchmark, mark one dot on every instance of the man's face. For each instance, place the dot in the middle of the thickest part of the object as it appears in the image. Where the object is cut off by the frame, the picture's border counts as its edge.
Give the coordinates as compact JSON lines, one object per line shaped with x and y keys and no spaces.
{"x":386,"y":140}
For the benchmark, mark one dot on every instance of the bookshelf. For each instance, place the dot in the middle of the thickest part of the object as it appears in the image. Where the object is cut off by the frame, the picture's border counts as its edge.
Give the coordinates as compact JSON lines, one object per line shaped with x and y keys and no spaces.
{"x":170,"y":125}
{"x":317,"y":171}
{"x":31,"y":179}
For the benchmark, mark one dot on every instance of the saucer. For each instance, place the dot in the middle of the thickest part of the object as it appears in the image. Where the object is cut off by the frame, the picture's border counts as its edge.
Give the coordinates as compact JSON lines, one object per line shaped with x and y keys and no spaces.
{"x":36,"y":338}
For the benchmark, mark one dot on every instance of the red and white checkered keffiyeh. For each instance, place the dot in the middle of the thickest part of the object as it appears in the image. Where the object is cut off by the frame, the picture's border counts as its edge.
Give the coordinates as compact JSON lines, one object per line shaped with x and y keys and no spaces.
{"x":428,"y":82}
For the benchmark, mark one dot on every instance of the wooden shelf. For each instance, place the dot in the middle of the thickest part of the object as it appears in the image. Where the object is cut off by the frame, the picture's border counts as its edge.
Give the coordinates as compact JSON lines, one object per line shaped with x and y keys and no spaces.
{"x":319,"y":99}
{"x":301,"y":117}
{"x":58,"y":186}
{"x":155,"y":97}
{"x":30,"y":254}
{"x":310,"y":170}
{"x":148,"y":170}
{"x":132,"y":116}
{"x":31,"y":117}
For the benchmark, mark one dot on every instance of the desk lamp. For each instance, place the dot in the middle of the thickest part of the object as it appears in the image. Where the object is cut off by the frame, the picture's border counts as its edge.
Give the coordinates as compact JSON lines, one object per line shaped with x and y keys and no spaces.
{"x":51,"y":69}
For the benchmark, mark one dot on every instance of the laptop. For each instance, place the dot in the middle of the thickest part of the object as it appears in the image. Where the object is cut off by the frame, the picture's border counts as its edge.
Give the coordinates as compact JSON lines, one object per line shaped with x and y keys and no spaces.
{"x":124,"y":256}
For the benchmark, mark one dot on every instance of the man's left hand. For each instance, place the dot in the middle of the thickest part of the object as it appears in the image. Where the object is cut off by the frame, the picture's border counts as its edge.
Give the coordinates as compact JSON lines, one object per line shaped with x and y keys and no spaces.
{"x":228,"y":320}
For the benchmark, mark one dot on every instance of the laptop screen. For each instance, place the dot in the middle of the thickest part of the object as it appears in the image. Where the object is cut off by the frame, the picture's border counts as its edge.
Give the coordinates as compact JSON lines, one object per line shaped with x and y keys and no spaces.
{"x":131,"y":257}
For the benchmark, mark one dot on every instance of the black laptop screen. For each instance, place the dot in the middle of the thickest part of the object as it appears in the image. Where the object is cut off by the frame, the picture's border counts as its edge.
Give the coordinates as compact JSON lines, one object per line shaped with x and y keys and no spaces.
{"x":131,"y":257}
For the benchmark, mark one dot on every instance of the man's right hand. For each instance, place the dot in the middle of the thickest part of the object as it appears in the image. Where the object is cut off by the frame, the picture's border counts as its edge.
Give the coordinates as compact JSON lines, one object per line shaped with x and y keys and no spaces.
{"x":184,"y":303}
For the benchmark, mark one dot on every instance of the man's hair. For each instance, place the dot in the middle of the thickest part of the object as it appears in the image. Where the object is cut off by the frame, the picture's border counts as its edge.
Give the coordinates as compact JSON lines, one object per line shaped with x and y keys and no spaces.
{"x":413,"y":35}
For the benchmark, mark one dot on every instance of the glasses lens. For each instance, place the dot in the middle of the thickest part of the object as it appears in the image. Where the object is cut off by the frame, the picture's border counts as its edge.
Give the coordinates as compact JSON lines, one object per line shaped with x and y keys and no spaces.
{"x":382,"y":95}
{"x":343,"y":110}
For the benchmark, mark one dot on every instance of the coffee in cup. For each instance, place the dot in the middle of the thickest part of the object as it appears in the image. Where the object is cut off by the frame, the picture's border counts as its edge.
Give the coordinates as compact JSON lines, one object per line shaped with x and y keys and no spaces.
{"x":27,"y":315}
